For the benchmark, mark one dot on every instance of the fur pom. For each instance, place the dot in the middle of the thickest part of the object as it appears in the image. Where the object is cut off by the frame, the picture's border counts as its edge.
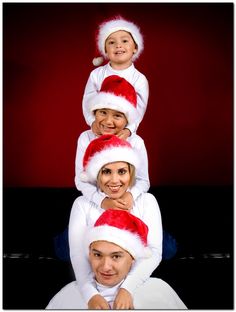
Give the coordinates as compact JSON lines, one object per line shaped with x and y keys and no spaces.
{"x":97,"y":61}
{"x":84,"y":177}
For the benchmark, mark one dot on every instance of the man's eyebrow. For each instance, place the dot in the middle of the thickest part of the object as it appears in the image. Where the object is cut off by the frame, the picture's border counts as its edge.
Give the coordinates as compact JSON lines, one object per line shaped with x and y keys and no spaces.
{"x":95,"y":250}
{"x":117,"y":253}
{"x":112,"y":253}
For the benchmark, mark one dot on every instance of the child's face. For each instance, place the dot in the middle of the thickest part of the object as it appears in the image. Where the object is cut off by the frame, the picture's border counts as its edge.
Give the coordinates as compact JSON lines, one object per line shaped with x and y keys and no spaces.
{"x":120,"y":47}
{"x":109,"y":121}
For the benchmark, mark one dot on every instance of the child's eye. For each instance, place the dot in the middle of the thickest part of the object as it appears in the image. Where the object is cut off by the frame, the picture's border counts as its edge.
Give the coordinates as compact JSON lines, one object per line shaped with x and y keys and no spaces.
{"x":102,"y":112}
{"x":118,"y":116}
{"x":111,"y":42}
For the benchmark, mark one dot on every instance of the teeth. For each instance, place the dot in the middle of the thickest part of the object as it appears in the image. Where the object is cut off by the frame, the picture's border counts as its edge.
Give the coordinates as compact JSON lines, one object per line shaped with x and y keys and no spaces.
{"x":114,"y":188}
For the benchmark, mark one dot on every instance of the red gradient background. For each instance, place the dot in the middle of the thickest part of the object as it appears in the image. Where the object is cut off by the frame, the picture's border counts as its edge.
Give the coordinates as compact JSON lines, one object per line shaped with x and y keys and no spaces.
{"x":188,"y":60}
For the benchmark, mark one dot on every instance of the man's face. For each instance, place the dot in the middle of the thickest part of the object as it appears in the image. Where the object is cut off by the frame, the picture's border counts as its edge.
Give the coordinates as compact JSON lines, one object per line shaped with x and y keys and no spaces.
{"x":110,"y":263}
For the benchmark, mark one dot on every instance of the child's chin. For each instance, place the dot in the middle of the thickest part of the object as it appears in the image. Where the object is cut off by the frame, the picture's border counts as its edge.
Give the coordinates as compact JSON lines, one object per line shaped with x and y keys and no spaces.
{"x":109,"y":132}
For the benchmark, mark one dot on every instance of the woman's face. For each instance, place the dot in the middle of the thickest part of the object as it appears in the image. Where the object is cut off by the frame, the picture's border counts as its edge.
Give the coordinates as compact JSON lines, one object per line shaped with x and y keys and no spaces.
{"x":114,"y":179}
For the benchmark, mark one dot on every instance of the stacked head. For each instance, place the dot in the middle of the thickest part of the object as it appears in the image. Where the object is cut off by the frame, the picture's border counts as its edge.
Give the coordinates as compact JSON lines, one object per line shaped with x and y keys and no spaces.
{"x":110,"y":26}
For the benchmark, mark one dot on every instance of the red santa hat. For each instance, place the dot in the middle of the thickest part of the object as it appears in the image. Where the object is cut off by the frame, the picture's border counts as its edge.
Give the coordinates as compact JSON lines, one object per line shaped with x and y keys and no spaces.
{"x":111,"y":26}
{"x":123,"y":229}
{"x":106,"y":149}
{"x":118,"y":94}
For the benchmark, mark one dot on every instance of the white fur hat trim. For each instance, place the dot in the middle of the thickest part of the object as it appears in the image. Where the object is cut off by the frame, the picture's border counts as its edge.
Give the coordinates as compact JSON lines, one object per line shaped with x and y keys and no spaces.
{"x":106,"y":156}
{"x":112,"y":26}
{"x":125,"y":239}
{"x":111,"y":101}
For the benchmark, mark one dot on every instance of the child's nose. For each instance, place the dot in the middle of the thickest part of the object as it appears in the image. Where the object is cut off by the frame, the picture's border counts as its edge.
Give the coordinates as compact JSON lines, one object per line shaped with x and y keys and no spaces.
{"x":108,"y":119}
{"x":118,"y":44}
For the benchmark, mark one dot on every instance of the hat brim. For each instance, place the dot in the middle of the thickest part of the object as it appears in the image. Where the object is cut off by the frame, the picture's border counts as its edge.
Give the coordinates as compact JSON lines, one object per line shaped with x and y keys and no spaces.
{"x":106,"y":156}
{"x":130,"y":242}
{"x":111,"y":101}
{"x":112,"y":26}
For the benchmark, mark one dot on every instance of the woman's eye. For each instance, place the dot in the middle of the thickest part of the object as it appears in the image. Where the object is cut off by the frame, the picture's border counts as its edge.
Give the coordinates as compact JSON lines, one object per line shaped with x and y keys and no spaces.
{"x":106,"y":171}
{"x":122,"y":171}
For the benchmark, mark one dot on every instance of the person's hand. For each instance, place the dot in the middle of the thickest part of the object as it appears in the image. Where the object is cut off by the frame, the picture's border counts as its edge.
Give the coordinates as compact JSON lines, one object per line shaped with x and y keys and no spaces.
{"x":123,"y":203}
{"x":128,"y":199}
{"x":123,"y":300}
{"x":97,"y":302}
{"x":95,"y":129}
{"x":124,"y":134}
{"x":109,"y":203}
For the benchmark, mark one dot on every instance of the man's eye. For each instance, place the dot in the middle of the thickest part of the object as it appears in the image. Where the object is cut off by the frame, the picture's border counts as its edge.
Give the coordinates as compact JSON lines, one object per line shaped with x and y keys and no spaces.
{"x":96,"y":254}
{"x":116,"y":257}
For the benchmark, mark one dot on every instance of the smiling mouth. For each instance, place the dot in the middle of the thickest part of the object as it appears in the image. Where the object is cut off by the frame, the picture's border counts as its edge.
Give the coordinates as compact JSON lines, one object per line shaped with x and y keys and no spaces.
{"x":120,"y":52}
{"x":106,"y":274}
{"x":114,"y":189}
{"x":106,"y":277}
{"x":105,"y":128}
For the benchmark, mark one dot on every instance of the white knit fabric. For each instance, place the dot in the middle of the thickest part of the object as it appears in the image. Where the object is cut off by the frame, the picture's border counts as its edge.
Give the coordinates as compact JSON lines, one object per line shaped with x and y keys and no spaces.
{"x":154,"y":294}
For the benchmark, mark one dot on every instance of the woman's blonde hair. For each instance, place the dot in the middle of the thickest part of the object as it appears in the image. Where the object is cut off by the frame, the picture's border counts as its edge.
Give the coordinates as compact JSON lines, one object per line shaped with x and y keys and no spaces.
{"x":131,"y":171}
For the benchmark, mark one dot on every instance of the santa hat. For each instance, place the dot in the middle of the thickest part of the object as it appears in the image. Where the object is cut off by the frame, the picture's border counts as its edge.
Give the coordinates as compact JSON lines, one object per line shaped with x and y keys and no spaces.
{"x":106,"y":149}
{"x":118,"y":94}
{"x":111,"y":26}
{"x":123,"y":229}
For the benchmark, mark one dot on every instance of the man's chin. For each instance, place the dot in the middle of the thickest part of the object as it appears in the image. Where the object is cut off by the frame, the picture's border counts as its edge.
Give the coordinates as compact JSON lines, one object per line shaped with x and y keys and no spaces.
{"x":108,"y":282}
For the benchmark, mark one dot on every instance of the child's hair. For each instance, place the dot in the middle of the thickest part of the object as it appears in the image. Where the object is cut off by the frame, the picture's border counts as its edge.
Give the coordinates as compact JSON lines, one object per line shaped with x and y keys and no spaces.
{"x":110,"y":26}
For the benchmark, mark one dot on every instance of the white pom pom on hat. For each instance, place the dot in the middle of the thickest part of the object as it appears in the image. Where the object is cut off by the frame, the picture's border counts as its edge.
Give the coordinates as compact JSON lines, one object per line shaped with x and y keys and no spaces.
{"x":97,"y":61}
{"x":111,"y":26}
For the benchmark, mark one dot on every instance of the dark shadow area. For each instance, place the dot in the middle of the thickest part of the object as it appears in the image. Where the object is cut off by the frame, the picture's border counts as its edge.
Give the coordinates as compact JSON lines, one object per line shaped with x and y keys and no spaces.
{"x":199,"y":218}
